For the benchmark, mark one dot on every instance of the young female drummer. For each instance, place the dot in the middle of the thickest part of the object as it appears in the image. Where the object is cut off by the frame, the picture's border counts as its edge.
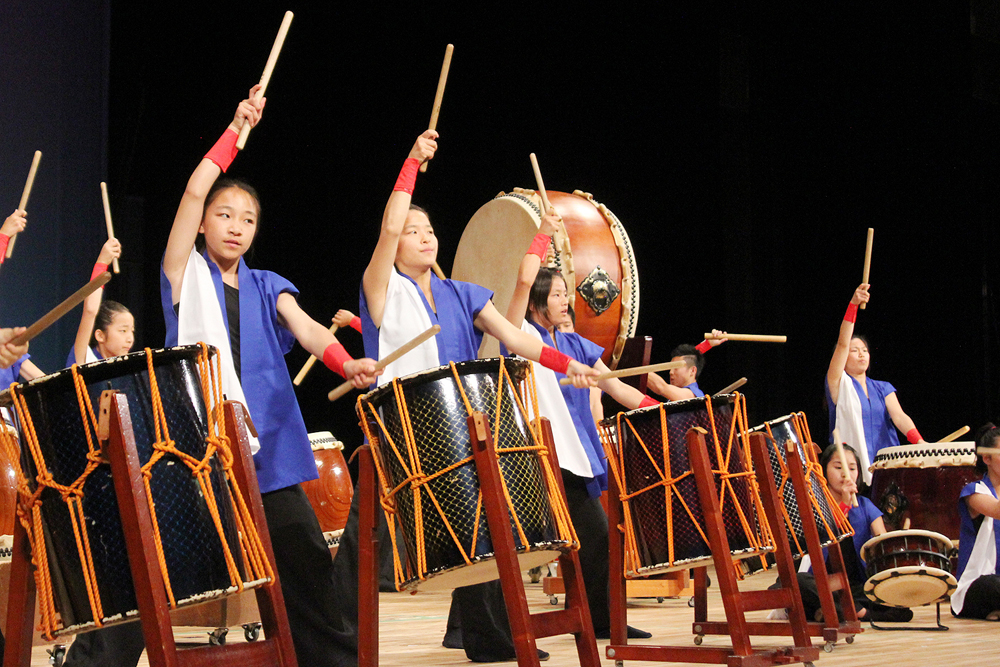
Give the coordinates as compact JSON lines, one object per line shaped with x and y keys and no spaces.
{"x":538,"y":306}
{"x":866,"y":519}
{"x":978,"y":593}
{"x":107,"y":328}
{"x":863,"y":410}
{"x":401,"y":297}
{"x":252,"y":317}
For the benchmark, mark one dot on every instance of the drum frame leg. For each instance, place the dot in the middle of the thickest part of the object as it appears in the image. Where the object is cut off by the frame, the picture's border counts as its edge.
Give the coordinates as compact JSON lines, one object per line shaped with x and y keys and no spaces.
{"x":736,"y":603}
{"x":21,"y":603}
{"x":368,"y":565}
{"x":927,"y":628}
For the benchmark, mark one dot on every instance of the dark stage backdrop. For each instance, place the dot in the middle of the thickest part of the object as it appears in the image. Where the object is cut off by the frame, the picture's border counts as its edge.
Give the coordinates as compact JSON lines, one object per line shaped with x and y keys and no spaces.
{"x":745,"y":150}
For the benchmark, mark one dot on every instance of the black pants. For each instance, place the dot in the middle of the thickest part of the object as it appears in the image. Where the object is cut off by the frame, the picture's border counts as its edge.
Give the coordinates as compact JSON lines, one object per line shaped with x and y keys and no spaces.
{"x":982,"y":598}
{"x":307,"y":583}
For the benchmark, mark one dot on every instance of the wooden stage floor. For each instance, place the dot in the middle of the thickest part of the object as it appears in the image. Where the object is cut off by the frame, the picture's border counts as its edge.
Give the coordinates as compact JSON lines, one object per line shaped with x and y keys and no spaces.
{"x":411,"y":628}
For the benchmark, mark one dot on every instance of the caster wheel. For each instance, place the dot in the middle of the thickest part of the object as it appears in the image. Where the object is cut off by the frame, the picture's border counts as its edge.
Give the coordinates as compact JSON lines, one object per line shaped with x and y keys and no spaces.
{"x":619,"y":663}
{"x":251,"y":631}
{"x":690,"y":602}
{"x":553,"y":600}
{"x":57,"y":654}
{"x":849,"y":639}
{"x":217,"y":637}
{"x":698,"y":639}
{"x":535,"y":574}
{"x":659,"y":600}
{"x":828,"y":647}
{"x":808,"y":664}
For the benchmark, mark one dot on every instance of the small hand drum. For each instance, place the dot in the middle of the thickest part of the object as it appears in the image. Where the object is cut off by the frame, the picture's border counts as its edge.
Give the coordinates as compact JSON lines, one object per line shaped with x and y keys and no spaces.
{"x":423,"y":454}
{"x":908,"y":568}
{"x":331,"y":494}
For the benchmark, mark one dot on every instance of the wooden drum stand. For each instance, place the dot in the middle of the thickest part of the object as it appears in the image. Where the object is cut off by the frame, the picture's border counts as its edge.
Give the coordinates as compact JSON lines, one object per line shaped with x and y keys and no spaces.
{"x":119,"y":444}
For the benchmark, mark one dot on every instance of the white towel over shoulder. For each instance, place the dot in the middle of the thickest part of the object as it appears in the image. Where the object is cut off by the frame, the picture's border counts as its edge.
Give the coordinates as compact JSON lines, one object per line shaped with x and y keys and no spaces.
{"x":850,"y":424}
{"x":982,"y":560}
{"x":199,"y":318}
{"x":404,"y":317}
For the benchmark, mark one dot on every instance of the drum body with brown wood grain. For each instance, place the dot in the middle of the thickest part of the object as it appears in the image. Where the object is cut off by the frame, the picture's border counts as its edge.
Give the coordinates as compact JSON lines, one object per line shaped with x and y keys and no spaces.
{"x":592,"y":251}
{"x":330,"y":495}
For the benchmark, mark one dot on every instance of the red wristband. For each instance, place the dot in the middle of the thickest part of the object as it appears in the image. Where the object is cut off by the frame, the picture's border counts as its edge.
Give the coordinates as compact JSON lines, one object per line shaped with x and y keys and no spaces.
{"x":704,"y":346}
{"x":407,"y":176}
{"x":335,"y":356}
{"x":913,"y":436}
{"x":4,"y":240}
{"x":648,"y":402}
{"x":845,"y":508}
{"x":98,"y":270}
{"x":224,"y":151}
{"x":852,"y":313}
{"x":554,"y":360}
{"x":356,"y":323}
{"x":539,"y":245}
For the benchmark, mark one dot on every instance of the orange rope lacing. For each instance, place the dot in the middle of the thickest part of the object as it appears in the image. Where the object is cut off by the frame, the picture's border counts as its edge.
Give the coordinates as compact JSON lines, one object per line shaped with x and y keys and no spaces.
{"x":418,"y":482}
{"x":814,"y":469}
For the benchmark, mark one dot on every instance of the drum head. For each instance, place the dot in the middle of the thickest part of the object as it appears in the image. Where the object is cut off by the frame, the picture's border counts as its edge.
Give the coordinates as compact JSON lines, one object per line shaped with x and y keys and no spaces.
{"x":912,"y":586}
{"x":481,"y":571}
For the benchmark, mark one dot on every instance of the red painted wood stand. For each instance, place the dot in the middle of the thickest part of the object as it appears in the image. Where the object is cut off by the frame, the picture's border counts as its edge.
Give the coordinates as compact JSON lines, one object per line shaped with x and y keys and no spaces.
{"x":828,"y":582}
{"x":525,"y":627}
{"x":736,"y":603}
{"x":119,"y":445}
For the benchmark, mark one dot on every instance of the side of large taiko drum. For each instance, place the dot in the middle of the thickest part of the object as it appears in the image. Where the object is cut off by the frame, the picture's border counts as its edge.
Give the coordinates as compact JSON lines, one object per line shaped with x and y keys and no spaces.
{"x":330,"y":495}
{"x":8,"y":483}
{"x":592,"y":250}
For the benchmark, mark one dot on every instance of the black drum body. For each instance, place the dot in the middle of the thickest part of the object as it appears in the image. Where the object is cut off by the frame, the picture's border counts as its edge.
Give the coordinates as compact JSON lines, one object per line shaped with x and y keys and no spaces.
{"x":192,"y":549}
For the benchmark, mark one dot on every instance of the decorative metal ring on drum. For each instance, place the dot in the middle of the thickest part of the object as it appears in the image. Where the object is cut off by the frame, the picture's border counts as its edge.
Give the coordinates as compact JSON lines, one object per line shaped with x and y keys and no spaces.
{"x":921,"y":482}
{"x":664,"y":522}
{"x":423,"y":455}
{"x":592,"y":250}
{"x":908,"y":568}
{"x":831,"y":523}
{"x":207,"y":543}
{"x":330,"y":495}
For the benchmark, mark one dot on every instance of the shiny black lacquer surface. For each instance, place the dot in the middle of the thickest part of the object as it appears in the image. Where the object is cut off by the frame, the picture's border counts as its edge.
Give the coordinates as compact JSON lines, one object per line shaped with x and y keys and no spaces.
{"x":192,"y":549}
{"x":436,"y":413}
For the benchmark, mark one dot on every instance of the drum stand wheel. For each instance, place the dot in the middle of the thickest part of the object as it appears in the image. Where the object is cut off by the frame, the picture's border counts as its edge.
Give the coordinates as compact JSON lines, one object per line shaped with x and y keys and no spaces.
{"x":118,"y":443}
{"x":525,"y":627}
{"x":251,"y":631}
{"x":217,"y":637}
{"x":57,"y":654}
{"x":736,"y":603}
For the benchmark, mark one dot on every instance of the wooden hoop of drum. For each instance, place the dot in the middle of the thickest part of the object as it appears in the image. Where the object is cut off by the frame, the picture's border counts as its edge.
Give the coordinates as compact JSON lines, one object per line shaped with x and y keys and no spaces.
{"x":593,"y":252}
{"x":209,"y":546}
{"x":331,"y":494}
{"x":664,"y":522}
{"x":908,"y":568}
{"x":831,"y":523}
{"x":423,"y":455}
{"x":921,"y":482}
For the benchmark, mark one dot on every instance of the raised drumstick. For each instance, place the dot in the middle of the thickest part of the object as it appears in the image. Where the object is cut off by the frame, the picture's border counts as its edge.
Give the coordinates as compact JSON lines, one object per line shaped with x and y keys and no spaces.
{"x":306,"y":367}
{"x":754,"y":338}
{"x":388,"y":359}
{"x":843,"y":462}
{"x":24,"y":196}
{"x":636,"y":370}
{"x":438,"y":272}
{"x":265,"y":78}
{"x":541,"y":184}
{"x":49,"y":318}
{"x":107,"y":219}
{"x":731,"y":388}
{"x":868,"y":261}
{"x":438,"y":97}
{"x":960,"y":432}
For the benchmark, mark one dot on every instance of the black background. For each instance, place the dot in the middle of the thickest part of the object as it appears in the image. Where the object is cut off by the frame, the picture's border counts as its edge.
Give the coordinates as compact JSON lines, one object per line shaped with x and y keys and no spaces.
{"x":746,"y":150}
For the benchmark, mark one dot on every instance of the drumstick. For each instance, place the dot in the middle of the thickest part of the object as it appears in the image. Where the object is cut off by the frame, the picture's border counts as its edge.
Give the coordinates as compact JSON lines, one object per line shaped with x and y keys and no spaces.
{"x":265,"y":78}
{"x":868,"y":261}
{"x":987,"y":450}
{"x":438,"y":96}
{"x":24,"y":196}
{"x":733,"y":387}
{"x":636,"y":370}
{"x":389,"y":358}
{"x":754,"y":338}
{"x":107,"y":219}
{"x":541,"y":184}
{"x":952,"y":436}
{"x":306,"y":367}
{"x":50,"y":317}
{"x":842,"y":455}
{"x":438,"y":271}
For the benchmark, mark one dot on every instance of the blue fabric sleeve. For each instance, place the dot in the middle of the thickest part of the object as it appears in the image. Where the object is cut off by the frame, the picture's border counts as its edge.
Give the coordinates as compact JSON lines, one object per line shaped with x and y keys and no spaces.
{"x":273,"y":286}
